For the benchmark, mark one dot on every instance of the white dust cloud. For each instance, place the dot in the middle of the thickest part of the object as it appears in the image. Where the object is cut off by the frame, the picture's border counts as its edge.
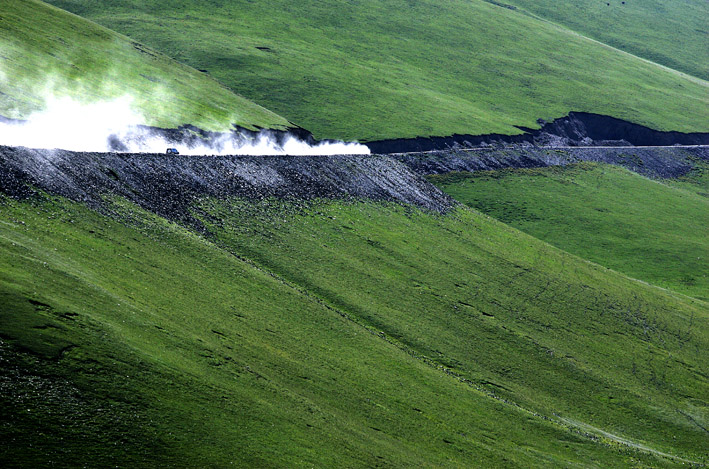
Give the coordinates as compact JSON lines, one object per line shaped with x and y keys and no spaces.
{"x":114,"y":125}
{"x":69,"y":125}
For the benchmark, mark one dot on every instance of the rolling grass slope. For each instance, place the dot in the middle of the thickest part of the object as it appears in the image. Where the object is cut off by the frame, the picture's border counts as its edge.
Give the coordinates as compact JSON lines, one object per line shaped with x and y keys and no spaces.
{"x":351,"y":330}
{"x":696,"y":180}
{"x":606,"y":214}
{"x":45,"y":51}
{"x":522,"y":319}
{"x":668,"y":32}
{"x":131,"y":341}
{"x":357,"y":329}
{"x":372,"y":69}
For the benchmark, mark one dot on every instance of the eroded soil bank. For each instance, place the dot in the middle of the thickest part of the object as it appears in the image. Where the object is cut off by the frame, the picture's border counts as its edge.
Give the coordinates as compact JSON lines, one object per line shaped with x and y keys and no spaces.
{"x":576,"y":129}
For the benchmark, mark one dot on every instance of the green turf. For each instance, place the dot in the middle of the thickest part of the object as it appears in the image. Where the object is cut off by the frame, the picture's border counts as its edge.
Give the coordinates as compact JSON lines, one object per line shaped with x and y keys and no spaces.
{"x":139,"y":343}
{"x":672,"y":33}
{"x":644,"y":228}
{"x":525,"y":320}
{"x":696,"y":180}
{"x":372,"y":69}
{"x":45,"y":51}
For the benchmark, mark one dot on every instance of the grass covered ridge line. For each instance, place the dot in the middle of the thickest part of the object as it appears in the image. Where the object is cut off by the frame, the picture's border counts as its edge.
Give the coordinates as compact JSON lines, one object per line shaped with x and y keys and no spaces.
{"x":671,"y":33}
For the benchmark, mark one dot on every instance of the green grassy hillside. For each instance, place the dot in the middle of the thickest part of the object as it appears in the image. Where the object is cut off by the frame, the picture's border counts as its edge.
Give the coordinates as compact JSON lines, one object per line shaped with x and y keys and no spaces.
{"x":333,"y":334}
{"x":696,"y":180}
{"x":668,"y":32}
{"x":609,"y":215}
{"x":45,"y":51}
{"x":524,"y":320}
{"x":375,"y":69}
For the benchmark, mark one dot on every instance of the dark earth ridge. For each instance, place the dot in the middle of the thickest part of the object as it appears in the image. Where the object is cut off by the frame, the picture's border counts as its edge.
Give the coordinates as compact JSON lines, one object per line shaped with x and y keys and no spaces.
{"x":576,"y":129}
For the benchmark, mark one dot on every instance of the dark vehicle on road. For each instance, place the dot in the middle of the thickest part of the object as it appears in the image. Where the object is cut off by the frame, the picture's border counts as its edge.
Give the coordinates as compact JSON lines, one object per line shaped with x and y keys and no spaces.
{"x":172,"y":151}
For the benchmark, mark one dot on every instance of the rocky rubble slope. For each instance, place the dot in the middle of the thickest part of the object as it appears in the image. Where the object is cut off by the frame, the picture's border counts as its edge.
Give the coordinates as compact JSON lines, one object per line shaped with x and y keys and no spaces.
{"x":168,"y":185}
{"x":655,"y":162}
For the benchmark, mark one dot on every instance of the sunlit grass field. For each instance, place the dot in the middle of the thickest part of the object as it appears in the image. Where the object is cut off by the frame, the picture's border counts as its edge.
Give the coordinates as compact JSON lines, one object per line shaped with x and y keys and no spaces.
{"x":651,"y":230}
{"x":370,"y":69}
{"x":667,"y":32}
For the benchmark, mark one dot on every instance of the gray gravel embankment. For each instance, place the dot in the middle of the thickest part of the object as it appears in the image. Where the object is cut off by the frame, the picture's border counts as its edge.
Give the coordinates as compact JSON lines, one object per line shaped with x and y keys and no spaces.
{"x":168,"y":185}
{"x":655,"y":162}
